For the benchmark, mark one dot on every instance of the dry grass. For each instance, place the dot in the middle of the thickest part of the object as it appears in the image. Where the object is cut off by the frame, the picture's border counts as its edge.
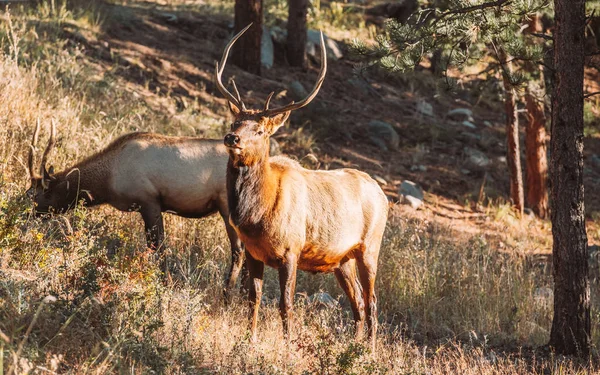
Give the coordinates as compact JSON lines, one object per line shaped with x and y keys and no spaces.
{"x":449,"y":302}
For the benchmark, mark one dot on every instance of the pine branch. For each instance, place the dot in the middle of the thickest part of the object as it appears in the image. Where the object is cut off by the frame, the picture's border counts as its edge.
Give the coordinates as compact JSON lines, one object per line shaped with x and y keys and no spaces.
{"x":591,"y":94}
{"x":543,"y":36}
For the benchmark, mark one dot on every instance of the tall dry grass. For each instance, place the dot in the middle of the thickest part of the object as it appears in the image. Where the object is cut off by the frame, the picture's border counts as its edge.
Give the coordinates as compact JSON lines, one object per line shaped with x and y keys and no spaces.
{"x":80,"y":294}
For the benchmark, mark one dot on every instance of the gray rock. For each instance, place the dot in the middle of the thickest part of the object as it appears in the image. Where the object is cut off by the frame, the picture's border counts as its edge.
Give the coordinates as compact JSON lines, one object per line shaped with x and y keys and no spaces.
{"x":380,"y":180}
{"x":297,"y":91}
{"x":313,"y":43}
{"x":360,"y":84}
{"x":267,"y":50}
{"x":501,"y":159}
{"x":421,"y":168}
{"x":596,"y":160}
{"x":411,"y":194}
{"x":469,"y":124}
{"x":476,"y":157}
{"x":488,"y":124}
{"x":544,"y":295}
{"x":594,"y":253}
{"x":322,"y":299}
{"x":274,"y":148}
{"x":460,"y":114}
{"x":424,"y":108}
{"x":383,"y":135}
{"x":465,"y":171}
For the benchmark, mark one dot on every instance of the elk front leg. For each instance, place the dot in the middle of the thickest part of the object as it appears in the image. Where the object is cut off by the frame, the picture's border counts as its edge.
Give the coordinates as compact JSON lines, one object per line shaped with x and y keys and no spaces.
{"x":155,"y":230}
{"x":237,"y":260}
{"x":256,"y":270}
{"x":287,"y":286}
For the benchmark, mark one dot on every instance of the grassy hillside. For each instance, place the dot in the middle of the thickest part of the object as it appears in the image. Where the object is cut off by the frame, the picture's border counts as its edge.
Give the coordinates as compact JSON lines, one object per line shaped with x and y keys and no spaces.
{"x":459,"y":291}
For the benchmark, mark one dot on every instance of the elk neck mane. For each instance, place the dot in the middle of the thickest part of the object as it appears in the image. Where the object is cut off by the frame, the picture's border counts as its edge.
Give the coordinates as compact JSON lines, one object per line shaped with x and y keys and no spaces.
{"x":254,"y":190}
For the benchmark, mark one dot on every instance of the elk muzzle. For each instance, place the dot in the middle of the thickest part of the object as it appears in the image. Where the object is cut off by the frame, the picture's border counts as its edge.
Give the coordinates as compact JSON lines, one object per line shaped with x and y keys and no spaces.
{"x":232,"y":140}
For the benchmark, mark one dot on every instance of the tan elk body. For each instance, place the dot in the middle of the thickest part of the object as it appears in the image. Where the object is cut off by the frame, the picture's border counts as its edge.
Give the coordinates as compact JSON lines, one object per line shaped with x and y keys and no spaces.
{"x":292,"y":218}
{"x":144,"y":172}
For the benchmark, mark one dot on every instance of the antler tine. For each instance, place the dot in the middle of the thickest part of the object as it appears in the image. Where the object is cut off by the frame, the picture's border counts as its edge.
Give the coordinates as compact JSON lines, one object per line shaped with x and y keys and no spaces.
{"x":34,"y":140}
{"x":268,"y":100}
{"x":237,"y":93}
{"x":293,"y":106}
{"x":221,"y":66}
{"x":47,"y":150}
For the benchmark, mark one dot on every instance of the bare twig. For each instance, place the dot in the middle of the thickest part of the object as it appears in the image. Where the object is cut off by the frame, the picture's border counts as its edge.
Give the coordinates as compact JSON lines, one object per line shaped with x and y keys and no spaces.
{"x":591,"y":94}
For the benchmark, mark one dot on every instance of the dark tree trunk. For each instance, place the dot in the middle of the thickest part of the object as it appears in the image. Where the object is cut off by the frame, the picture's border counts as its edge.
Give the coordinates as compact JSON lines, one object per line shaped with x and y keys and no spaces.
{"x":536,"y":160}
{"x":571,"y":324}
{"x":296,"y":33}
{"x":513,"y":153}
{"x":246,"y":52}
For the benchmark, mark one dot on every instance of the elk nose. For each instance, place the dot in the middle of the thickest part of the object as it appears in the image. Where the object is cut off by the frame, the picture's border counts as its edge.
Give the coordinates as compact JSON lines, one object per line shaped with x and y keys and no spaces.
{"x":231,"y":140}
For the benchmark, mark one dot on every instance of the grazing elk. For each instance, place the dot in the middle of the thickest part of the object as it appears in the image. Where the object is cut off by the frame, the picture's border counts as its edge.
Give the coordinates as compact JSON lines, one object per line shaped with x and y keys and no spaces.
{"x":292,"y":218}
{"x":148,"y":172}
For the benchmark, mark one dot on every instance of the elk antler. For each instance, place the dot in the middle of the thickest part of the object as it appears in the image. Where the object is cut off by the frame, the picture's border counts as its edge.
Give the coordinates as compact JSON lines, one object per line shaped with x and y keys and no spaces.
{"x":293,"y":106}
{"x":219,"y":71}
{"x":43,"y":170}
{"x":34,"y":140}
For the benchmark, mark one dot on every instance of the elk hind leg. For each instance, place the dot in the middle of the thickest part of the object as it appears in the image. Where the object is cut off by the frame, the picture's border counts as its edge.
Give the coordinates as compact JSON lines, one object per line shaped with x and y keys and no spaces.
{"x":348,"y":279}
{"x":367,"y":269}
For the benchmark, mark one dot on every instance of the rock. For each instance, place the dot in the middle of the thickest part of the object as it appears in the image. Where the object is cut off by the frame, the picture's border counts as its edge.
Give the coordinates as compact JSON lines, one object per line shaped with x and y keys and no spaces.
{"x":420,"y":168}
{"x":274,"y":148}
{"x":594,"y":253}
{"x":465,"y":171}
{"x":297,"y":91}
{"x":469,"y":124}
{"x":322,"y":299}
{"x":399,"y":10}
{"x":476,"y":157}
{"x":267,"y":49}
{"x":411,"y":194}
{"x":501,"y":159}
{"x":459,"y":114}
{"x":360,"y":84}
{"x":313,"y":43}
{"x":544,"y":295}
{"x":424,"y":108}
{"x":380,"y":180}
{"x":596,"y":160}
{"x":488,"y":124}
{"x":383,"y":135}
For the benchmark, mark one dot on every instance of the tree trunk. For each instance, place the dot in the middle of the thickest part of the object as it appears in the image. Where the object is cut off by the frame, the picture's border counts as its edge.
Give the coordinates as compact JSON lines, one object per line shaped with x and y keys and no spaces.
{"x":536,"y":162}
{"x":296,"y":33}
{"x":571,"y":324}
{"x":535,"y":159}
{"x":513,"y":153}
{"x":246,"y":52}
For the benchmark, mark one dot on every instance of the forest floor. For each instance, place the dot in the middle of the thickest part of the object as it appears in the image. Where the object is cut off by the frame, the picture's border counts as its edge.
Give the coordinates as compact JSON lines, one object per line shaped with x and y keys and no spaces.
{"x":464,"y":283}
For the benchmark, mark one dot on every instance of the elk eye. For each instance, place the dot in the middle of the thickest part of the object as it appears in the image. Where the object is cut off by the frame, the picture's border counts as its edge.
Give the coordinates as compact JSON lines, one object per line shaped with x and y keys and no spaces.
{"x":260,"y":132}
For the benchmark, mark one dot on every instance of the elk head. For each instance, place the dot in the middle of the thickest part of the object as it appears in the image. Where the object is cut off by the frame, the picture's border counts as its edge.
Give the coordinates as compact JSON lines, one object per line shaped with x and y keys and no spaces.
{"x":47,"y":191}
{"x":248,"y":141}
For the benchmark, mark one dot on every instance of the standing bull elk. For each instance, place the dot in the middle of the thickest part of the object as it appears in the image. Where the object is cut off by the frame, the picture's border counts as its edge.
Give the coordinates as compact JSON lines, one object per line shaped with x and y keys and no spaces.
{"x":289,"y":217}
{"x":147,"y":172}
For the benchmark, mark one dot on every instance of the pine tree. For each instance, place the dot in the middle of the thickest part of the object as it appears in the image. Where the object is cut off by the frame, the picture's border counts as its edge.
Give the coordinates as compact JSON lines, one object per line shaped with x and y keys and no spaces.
{"x":459,"y":33}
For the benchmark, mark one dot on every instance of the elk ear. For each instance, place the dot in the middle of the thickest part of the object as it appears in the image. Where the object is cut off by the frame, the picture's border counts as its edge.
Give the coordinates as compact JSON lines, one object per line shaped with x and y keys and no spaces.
{"x":235,"y":110}
{"x":277,"y":121}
